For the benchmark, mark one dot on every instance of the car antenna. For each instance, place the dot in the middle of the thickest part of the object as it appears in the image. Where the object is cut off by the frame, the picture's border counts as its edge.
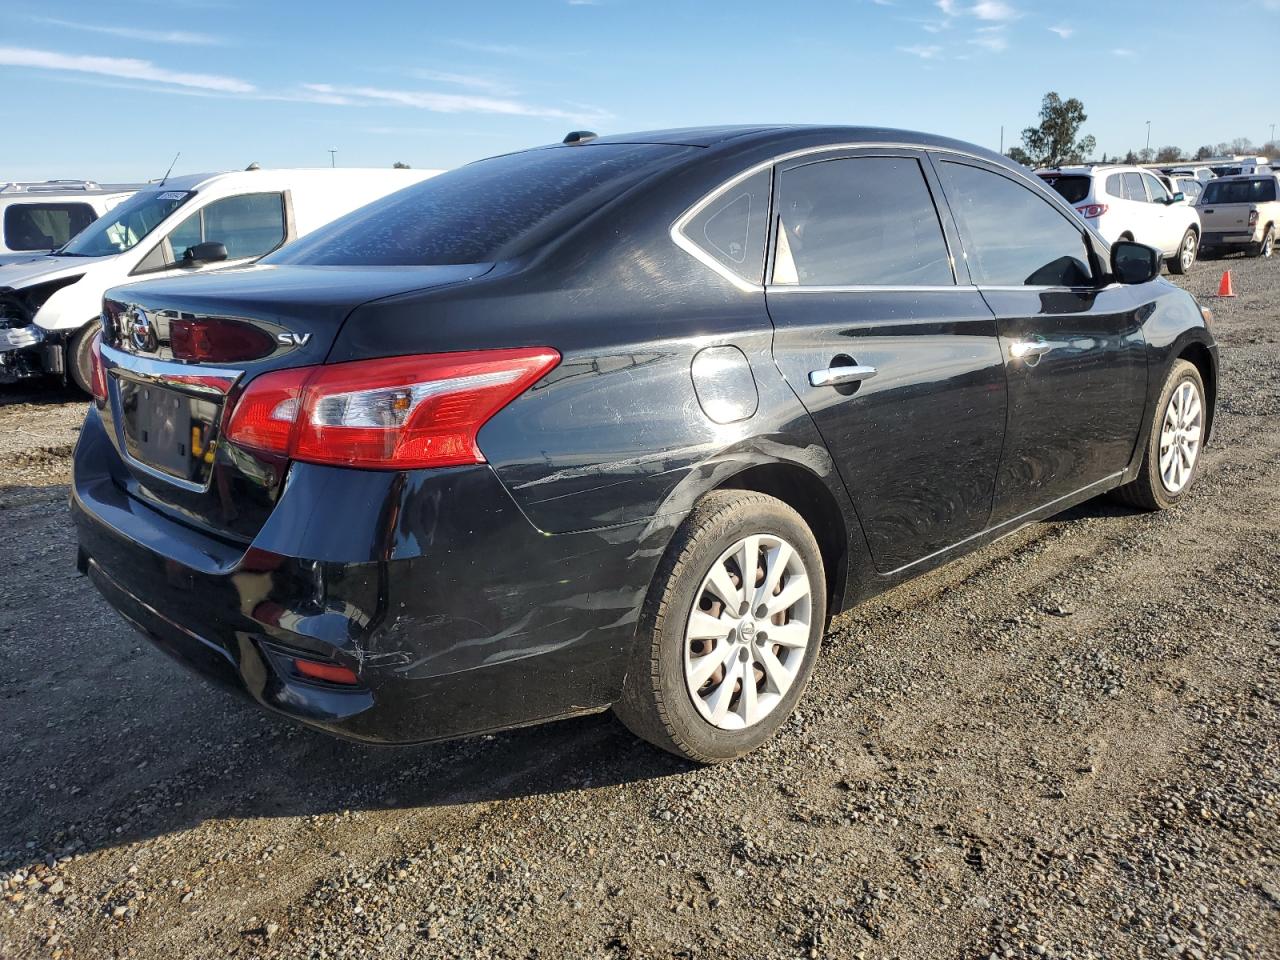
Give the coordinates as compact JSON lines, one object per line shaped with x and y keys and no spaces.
{"x":170,"y":170}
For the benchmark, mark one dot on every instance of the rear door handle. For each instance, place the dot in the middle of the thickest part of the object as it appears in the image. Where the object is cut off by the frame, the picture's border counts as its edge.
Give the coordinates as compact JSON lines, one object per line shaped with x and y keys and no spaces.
{"x":835,"y":376}
{"x":1029,"y":350}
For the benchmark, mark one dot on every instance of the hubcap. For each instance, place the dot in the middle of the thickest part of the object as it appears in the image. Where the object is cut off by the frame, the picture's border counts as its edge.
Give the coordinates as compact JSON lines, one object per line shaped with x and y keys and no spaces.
{"x":748,"y":632}
{"x":1180,"y":436}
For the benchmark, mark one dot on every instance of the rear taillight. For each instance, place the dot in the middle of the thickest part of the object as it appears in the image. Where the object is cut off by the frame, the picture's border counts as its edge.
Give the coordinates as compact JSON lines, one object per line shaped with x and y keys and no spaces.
{"x":328,"y":672}
{"x":97,"y":375}
{"x":217,"y":340}
{"x":1091,"y":210}
{"x":1253,"y":218}
{"x":392,"y":414}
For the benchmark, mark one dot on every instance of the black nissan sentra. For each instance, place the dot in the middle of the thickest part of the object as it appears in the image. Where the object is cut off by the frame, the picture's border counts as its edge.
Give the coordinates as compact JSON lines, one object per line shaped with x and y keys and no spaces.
{"x":622,"y":421}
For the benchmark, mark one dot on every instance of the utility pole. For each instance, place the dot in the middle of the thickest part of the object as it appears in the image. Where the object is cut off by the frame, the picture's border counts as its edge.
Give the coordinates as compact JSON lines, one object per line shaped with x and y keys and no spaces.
{"x":1273,"y":134}
{"x":331,"y":156}
{"x":1273,"y":130}
{"x":1148,"y":136}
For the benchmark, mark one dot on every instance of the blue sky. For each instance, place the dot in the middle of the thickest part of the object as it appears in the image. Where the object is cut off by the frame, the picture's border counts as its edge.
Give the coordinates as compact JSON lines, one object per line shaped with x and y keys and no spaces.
{"x":112,"y":91}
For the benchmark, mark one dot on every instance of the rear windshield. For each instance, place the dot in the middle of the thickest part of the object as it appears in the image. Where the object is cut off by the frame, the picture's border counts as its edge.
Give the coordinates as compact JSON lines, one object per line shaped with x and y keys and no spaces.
{"x":44,"y":226}
{"x":1072,"y":188}
{"x":1261,"y":190}
{"x":485,"y":211}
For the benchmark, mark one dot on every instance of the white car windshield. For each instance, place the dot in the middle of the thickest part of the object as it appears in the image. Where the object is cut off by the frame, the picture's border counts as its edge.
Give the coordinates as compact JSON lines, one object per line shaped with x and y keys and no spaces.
{"x":125,"y":225}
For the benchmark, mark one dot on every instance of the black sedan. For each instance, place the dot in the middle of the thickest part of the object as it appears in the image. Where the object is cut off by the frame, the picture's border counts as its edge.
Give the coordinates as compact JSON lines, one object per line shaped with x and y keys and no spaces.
{"x":619,"y":422}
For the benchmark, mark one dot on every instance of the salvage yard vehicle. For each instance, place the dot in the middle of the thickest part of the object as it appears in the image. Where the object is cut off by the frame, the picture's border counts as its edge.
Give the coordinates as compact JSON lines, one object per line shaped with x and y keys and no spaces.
{"x":1129,"y":203}
{"x":1241,"y":214}
{"x":38,"y":218}
{"x":622,"y":422}
{"x":49,"y":304}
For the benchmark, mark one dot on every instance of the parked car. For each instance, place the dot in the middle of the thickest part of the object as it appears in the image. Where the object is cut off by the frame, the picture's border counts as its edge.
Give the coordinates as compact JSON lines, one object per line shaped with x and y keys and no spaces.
{"x":622,"y":421}
{"x":1203,"y":174}
{"x":37,"y":218}
{"x":49,"y":304}
{"x":1129,"y":203}
{"x":1241,"y":213}
{"x":1188,"y":186}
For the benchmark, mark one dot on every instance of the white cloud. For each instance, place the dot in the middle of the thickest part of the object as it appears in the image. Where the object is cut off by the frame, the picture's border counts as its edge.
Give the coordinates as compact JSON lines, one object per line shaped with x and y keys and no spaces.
{"x":990,"y":41}
{"x":446,"y":102}
{"x":182,"y":37}
{"x":1122,"y":52}
{"x":470,"y":81}
{"x":990,"y":10}
{"x":925,"y":51}
{"x":126,"y":68}
{"x":1063,"y":31}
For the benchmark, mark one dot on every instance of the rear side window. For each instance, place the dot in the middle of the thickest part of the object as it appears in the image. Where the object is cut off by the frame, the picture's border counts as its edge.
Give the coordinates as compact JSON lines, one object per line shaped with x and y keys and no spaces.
{"x":1133,"y":189}
{"x":1262,"y":190}
{"x":1011,"y":236}
{"x":732,"y":228}
{"x":859,"y":221}
{"x":44,"y":226}
{"x":485,"y":211}
{"x":1073,"y":189}
{"x":1115,"y":186}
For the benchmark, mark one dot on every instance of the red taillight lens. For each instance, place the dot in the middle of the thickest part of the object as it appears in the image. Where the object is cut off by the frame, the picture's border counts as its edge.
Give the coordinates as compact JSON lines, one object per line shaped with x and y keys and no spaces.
{"x":395,"y":413}
{"x":1253,"y":218}
{"x":217,"y":340}
{"x":328,"y":672}
{"x":1091,"y":210}
{"x":98,"y":375}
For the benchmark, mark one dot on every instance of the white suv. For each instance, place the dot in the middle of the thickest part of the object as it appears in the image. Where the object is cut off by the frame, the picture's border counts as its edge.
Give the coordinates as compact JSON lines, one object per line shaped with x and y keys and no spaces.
{"x":38,"y":217}
{"x":1128,"y":203}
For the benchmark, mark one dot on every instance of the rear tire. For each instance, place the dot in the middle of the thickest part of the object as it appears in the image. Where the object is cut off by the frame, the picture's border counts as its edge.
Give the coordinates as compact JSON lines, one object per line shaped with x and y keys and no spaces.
{"x":1171,"y":463}
{"x":80,"y":358}
{"x":1267,"y":246}
{"x":702,"y":639}
{"x":1185,"y":258}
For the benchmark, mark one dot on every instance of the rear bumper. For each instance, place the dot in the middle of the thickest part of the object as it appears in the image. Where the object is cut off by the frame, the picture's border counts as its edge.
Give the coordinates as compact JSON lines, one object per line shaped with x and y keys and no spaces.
{"x":455,"y":613}
{"x":1236,"y":239}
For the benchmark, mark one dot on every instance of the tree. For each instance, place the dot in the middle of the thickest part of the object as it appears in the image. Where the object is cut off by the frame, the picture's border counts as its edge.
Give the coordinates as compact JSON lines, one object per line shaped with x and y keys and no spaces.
{"x":1131,"y":158}
{"x":399,"y":165}
{"x":1018,"y":155}
{"x":1145,"y":155}
{"x":1053,"y":143}
{"x":1168,"y":154}
{"x":1204,"y":153}
{"x":1242,"y":145}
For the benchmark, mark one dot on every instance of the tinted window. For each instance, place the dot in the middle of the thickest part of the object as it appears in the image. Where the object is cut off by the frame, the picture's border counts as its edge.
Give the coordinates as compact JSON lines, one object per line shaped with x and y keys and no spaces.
{"x":1133,"y":189}
{"x":250,"y":226}
{"x":734,"y":226}
{"x":484,"y":211}
{"x":1011,"y":236}
{"x":1115,"y":187}
{"x":868,"y":220}
{"x":1261,"y":190}
{"x":1073,"y":188}
{"x":127,"y":224}
{"x":44,"y":226}
{"x":1155,"y":189}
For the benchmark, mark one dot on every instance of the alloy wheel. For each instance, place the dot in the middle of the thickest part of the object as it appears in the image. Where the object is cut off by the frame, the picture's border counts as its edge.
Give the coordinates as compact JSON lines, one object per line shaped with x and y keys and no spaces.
{"x":1188,"y":251}
{"x":1180,"y":436}
{"x":748,"y":631}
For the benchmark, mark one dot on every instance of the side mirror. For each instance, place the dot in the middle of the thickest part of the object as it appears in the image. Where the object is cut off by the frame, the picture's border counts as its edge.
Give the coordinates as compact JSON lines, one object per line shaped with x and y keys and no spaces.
{"x":211,"y":251}
{"x":1178,"y":197}
{"x":1134,"y":262}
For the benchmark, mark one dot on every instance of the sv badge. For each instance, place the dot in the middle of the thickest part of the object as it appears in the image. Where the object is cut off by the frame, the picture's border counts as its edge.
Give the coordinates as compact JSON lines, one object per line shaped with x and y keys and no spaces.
{"x":294,"y":339}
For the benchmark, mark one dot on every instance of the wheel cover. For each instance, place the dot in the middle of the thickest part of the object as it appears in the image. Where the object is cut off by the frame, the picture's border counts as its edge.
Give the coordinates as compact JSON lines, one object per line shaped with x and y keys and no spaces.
{"x":1188,"y":251}
{"x":1180,"y":436}
{"x":743,"y":649}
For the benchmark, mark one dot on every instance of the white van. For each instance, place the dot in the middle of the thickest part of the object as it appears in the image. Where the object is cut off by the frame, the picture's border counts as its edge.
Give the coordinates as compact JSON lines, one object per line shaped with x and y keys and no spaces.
{"x":49,"y":306}
{"x":36,"y":218}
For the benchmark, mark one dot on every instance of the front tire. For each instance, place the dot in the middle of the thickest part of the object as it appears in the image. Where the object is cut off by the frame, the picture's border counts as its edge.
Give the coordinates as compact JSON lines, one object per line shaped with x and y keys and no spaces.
{"x":1185,"y":258}
{"x":1172,"y":459}
{"x":80,"y":358}
{"x":719,"y":668}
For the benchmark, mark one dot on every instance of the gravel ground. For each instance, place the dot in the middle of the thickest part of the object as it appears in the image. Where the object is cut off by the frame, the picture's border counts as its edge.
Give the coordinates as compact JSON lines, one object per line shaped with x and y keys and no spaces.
{"x":1066,"y":745}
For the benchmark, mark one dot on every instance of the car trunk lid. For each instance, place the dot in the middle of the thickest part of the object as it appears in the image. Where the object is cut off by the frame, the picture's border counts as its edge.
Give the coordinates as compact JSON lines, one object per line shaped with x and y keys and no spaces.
{"x":176,"y":356}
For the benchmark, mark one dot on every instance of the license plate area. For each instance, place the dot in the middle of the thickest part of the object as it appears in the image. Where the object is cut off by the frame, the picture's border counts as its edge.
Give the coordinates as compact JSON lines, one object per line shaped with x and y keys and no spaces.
{"x":169,"y":431}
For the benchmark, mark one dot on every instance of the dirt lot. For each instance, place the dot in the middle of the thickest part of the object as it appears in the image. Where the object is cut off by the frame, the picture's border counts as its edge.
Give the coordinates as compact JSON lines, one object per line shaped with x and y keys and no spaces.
{"x":1067,"y":745}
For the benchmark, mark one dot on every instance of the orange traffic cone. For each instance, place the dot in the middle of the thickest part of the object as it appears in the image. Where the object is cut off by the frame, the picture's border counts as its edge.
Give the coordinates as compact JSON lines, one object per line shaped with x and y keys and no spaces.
{"x":1225,"y":289}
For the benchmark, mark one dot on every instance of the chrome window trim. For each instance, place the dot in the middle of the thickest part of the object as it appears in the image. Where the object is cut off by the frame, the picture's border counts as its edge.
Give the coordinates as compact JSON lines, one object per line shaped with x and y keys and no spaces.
{"x":869,"y":288}
{"x":682,"y":240}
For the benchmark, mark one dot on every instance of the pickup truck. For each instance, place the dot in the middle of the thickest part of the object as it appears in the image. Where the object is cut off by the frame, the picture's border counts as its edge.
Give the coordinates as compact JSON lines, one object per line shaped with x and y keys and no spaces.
{"x":1240,"y":213}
